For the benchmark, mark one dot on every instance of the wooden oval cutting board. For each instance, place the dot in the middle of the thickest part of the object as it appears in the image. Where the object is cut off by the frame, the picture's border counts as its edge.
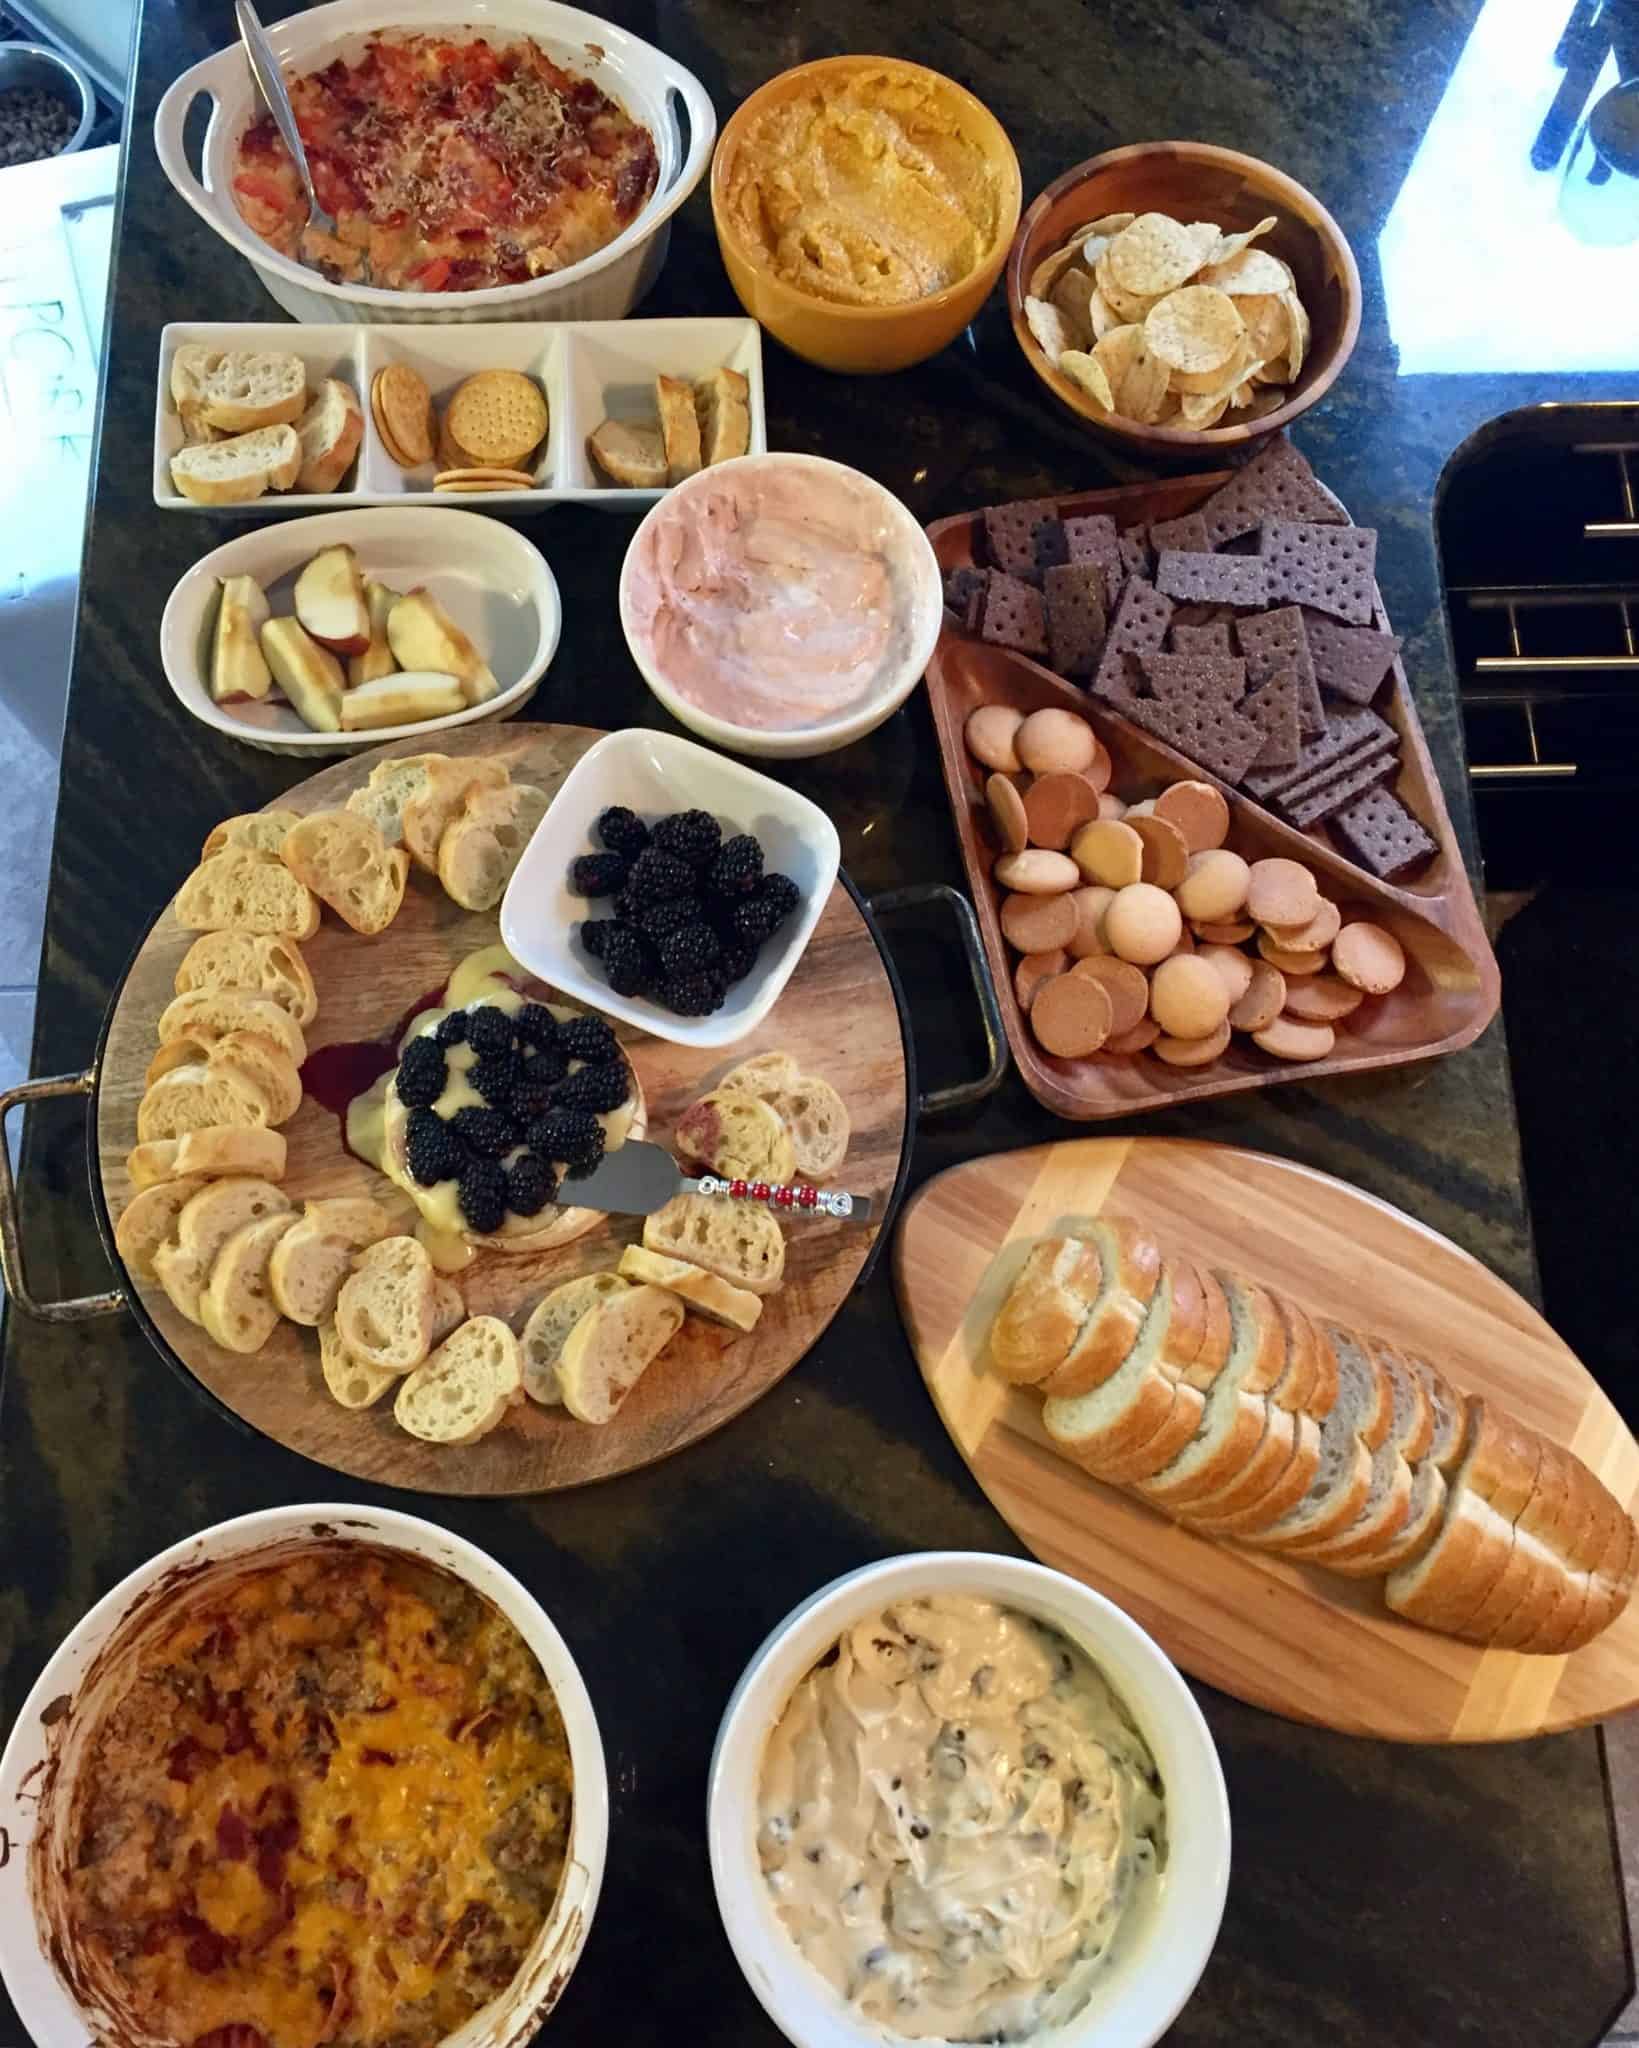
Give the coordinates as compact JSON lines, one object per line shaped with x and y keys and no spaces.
{"x":838,"y":1017}
{"x":1281,"y":1635}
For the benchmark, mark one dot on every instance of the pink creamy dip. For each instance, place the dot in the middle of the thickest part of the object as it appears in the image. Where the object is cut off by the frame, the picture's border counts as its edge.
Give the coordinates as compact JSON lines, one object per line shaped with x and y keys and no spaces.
{"x":771,"y":596}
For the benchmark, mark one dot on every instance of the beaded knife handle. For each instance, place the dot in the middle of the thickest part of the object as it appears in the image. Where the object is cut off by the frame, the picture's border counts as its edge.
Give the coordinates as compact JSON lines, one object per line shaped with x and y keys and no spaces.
{"x":786,"y":1200}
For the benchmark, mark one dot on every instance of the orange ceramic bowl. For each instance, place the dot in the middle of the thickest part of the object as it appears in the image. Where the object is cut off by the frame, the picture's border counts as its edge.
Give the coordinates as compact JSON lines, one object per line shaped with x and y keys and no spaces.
{"x":863,"y":339}
{"x":1195,"y":181}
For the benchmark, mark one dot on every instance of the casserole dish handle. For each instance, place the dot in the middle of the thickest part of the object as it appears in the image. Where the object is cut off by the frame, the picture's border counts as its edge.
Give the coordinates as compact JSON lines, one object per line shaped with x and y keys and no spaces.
{"x":170,"y":119}
{"x":11,"y":1245}
{"x":921,"y":895}
{"x":702,"y":131}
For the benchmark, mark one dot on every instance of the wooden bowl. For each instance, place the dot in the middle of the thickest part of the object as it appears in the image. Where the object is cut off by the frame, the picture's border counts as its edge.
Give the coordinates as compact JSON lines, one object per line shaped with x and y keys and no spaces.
{"x":1195,"y":181}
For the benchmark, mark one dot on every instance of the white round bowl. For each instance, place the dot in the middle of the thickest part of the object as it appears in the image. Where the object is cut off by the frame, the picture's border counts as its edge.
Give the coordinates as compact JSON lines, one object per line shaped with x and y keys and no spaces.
{"x":799,"y":743}
{"x":41,"y":1759}
{"x":639,"y":77}
{"x":496,"y":585}
{"x":1160,"y":1960}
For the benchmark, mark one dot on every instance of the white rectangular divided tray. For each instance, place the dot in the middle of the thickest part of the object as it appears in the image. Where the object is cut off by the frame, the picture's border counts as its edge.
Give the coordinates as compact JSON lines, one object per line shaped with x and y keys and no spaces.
{"x":588,"y":371}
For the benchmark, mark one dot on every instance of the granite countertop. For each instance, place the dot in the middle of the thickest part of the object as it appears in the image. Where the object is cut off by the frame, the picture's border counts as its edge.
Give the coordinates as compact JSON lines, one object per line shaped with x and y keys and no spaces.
{"x":1378,"y":1892}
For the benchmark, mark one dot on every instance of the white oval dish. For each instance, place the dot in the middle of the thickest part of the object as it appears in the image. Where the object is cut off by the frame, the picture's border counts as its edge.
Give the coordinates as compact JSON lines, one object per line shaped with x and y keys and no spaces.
{"x":495,"y":584}
{"x":1156,"y":1965}
{"x":654,"y":773}
{"x":604,"y":287}
{"x":41,"y":1757}
{"x":925,"y":603}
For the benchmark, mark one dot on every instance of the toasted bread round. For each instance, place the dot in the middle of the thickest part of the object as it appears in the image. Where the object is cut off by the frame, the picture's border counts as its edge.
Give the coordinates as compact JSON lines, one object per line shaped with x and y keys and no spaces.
{"x":549,"y":1325}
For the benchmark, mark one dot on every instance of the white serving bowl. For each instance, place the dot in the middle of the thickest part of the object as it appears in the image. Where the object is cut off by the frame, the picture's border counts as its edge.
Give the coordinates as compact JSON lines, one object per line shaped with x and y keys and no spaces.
{"x":654,"y":773}
{"x":642,"y":79}
{"x":42,"y":1758}
{"x":1158,"y":1959}
{"x":496,"y":585}
{"x":925,"y":600}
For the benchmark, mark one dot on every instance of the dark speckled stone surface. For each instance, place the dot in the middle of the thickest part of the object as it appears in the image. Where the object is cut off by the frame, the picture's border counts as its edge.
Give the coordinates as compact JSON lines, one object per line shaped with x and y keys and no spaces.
{"x":1379,"y":1894}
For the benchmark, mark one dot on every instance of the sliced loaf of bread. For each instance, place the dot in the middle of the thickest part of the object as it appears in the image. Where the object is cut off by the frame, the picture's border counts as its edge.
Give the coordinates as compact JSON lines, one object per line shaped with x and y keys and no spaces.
{"x":386,"y":1310}
{"x":1235,"y":1416}
{"x":1493,"y":1481}
{"x":611,"y":1348}
{"x":1126,"y":1409}
{"x":254,"y":964}
{"x":209,"y":1015}
{"x":259,"y":831}
{"x":220,"y":1210}
{"x":148,"y":1220}
{"x":350,"y":1380}
{"x":237,"y":1305}
{"x":1045,"y":1309}
{"x":550,"y":1322}
{"x":342,"y":858}
{"x":1343,"y":1476}
{"x":216,"y":1150}
{"x":466,"y":1387}
{"x":1236,"y":1512}
{"x":1129,"y":1281}
{"x":315,"y":1256}
{"x":1416,"y":1533}
{"x":242,"y":890}
{"x":736,"y":1240}
{"x":198,"y":1096}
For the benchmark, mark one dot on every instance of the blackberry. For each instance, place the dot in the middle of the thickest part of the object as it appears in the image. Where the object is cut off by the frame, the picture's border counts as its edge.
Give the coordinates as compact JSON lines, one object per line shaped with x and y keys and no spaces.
{"x":694,"y":995}
{"x":594,"y":932}
{"x":532,"y":1098}
{"x":622,"y":831}
{"x":495,"y":1076}
{"x":573,"y":1135}
{"x":781,"y":894}
{"x":484,"y":1131}
{"x":422,"y":1071}
{"x":544,"y":1064}
{"x":433,"y":1151}
{"x":597,"y":874}
{"x":693,"y":836}
{"x":737,"y":961}
{"x":603,"y":1087}
{"x":657,"y":920}
{"x":490,"y":1030}
{"x":536,"y":1025}
{"x":530,"y":1185}
{"x":655,"y":875}
{"x":689,"y":951}
{"x":481,"y":1192}
{"x":452,"y":1030}
{"x":588,"y":1038}
{"x":626,"y":963}
{"x":753,"y":920}
{"x":738,"y":868}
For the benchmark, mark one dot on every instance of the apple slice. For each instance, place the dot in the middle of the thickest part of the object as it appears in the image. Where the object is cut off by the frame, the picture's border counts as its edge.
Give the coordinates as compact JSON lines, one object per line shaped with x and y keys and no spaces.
{"x":401,"y":699}
{"x":424,"y":636}
{"x":237,"y":667}
{"x":309,"y":674}
{"x":377,"y":659}
{"x":330,"y":601}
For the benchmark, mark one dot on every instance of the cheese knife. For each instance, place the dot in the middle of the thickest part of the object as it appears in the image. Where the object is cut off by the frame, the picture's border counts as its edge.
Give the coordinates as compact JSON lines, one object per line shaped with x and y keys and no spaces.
{"x":637,"y":1178}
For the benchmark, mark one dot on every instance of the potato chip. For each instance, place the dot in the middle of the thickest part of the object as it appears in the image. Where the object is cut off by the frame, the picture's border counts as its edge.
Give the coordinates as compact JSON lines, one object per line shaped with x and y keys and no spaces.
{"x":1203,"y":411}
{"x":1073,"y":296}
{"x":1155,"y":255}
{"x":1195,"y":329}
{"x":1268,"y":323}
{"x":1230,"y":246}
{"x":1051,"y":268}
{"x":1138,"y":377}
{"x":1112,"y":223}
{"x":1253,"y":270}
{"x":1050,"y":328}
{"x":1300,"y":334}
{"x":1104,"y":316}
{"x":1131,"y":306}
{"x":1089,"y":373}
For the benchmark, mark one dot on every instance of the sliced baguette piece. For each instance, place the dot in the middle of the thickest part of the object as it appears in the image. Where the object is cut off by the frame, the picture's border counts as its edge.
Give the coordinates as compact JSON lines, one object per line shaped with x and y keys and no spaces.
{"x":272,"y":1069}
{"x":1045,"y":1309}
{"x":816,"y":1117}
{"x":731,"y":1239}
{"x":428,"y":812}
{"x":392,"y":785}
{"x":722,"y":402}
{"x":341,"y":857}
{"x":1343,"y":1475}
{"x":1178,"y":1425}
{"x":465,"y":1388}
{"x":1124,"y":1410}
{"x":1374,"y":1415}
{"x":629,"y":453}
{"x":1492,"y":1483}
{"x":1130,"y":1271}
{"x":550,"y":1322}
{"x":1269,"y":1460}
{"x":1449,"y":1409}
{"x":679,"y":427}
{"x":192,"y":1098}
{"x":718,"y":1300}
{"x":237,"y":1306}
{"x":478,"y":853}
{"x":241,"y":890}
{"x":236,"y":390}
{"x":220,"y":1210}
{"x":1416,"y":1533}
{"x":386,"y":1310}
{"x":1235,"y":1413}
{"x":1387,"y":1506}
{"x":1200,"y":1333}
{"x":234,"y":472}
{"x":315,"y":1256}
{"x":260,"y":831}
{"x":252,"y":964}
{"x":148,"y":1220}
{"x":330,"y":432}
{"x":208,"y":1015}
{"x":351,"y":1382}
{"x":1299,"y":1387}
{"x":762,"y":1074}
{"x":735,"y":1135}
{"x":1412,"y":1428}
{"x":209,"y":1153}
{"x":609,"y":1350}
{"x":1215,"y":1517}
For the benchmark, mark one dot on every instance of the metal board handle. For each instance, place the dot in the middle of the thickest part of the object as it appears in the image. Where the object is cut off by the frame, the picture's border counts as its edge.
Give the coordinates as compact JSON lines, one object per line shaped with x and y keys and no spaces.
{"x":963,"y":1094}
{"x":11,"y":1243}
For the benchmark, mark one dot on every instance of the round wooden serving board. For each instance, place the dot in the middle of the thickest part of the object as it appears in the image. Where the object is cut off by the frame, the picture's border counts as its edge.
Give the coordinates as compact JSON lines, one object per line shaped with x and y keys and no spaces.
{"x":838,"y":1016}
{"x":1285,"y":1636}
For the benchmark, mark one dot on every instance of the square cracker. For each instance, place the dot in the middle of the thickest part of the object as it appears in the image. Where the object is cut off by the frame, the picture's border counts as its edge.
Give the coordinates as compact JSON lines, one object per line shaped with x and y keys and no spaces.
{"x":1276,"y":639}
{"x":1009,"y":532}
{"x":1329,"y":568}
{"x":1012,"y":614}
{"x":1274,"y":708}
{"x":1206,"y":731}
{"x":1276,"y":484}
{"x":1221,"y":678}
{"x":1350,"y":661}
{"x":1076,"y":621}
{"x":1139,"y":627}
{"x":1382,"y":835}
{"x":1211,"y":637}
{"x":1213,"y":579}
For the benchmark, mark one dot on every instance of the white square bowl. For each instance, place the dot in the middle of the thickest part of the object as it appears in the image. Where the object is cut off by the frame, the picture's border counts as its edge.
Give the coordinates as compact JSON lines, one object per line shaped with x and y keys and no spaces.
{"x":654,"y":774}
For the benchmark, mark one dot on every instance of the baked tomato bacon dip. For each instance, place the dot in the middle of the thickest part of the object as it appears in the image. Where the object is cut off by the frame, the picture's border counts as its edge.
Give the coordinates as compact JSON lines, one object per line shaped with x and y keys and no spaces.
{"x":331,"y":1807}
{"x":447,"y":166}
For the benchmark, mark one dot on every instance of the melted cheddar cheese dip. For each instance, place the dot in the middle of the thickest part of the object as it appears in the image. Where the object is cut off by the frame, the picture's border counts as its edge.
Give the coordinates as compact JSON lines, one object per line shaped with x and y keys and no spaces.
{"x":957,"y":1817}
{"x":332,"y":1806}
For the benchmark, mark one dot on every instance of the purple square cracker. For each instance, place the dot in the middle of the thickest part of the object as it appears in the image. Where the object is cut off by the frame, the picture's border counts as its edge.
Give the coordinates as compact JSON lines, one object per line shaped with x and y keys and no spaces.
{"x":1051,"y":544}
{"x":1276,"y":484}
{"x":1212,"y":638}
{"x":1213,"y":579}
{"x":1330,"y":568}
{"x":1346,"y":742}
{"x":1012,"y":614}
{"x":1092,"y":539}
{"x":1172,"y":676}
{"x":1076,"y":623}
{"x":961,"y":586}
{"x":1208,"y":732}
{"x":1009,"y":532}
{"x":1138,"y":627}
{"x":1188,"y":534}
{"x":1383,"y":836}
{"x":1350,"y":661}
{"x":1276,"y":639}
{"x":1137,"y":556}
{"x":1274,"y":708}
{"x":1334,"y":795}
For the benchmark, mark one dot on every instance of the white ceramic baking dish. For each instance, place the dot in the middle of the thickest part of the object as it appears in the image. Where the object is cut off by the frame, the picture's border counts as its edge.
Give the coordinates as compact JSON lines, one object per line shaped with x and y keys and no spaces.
{"x":497,"y":586}
{"x":644,"y":80}
{"x":42,"y":1758}
{"x":588,"y":371}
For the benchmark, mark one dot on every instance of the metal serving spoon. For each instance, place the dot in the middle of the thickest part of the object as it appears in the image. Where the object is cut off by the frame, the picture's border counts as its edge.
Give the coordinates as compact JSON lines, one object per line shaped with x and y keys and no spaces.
{"x":270,"y":83}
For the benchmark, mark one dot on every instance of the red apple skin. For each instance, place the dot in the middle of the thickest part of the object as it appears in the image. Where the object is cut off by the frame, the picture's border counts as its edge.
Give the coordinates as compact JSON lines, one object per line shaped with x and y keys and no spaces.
{"x":342,"y":644}
{"x":355,"y":643}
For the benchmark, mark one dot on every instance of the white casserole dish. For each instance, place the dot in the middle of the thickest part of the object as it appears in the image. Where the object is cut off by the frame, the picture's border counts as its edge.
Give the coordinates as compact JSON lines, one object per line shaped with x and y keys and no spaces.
{"x":1157,"y":1959}
{"x":496,"y":585}
{"x":40,"y":1762}
{"x":641,"y":78}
